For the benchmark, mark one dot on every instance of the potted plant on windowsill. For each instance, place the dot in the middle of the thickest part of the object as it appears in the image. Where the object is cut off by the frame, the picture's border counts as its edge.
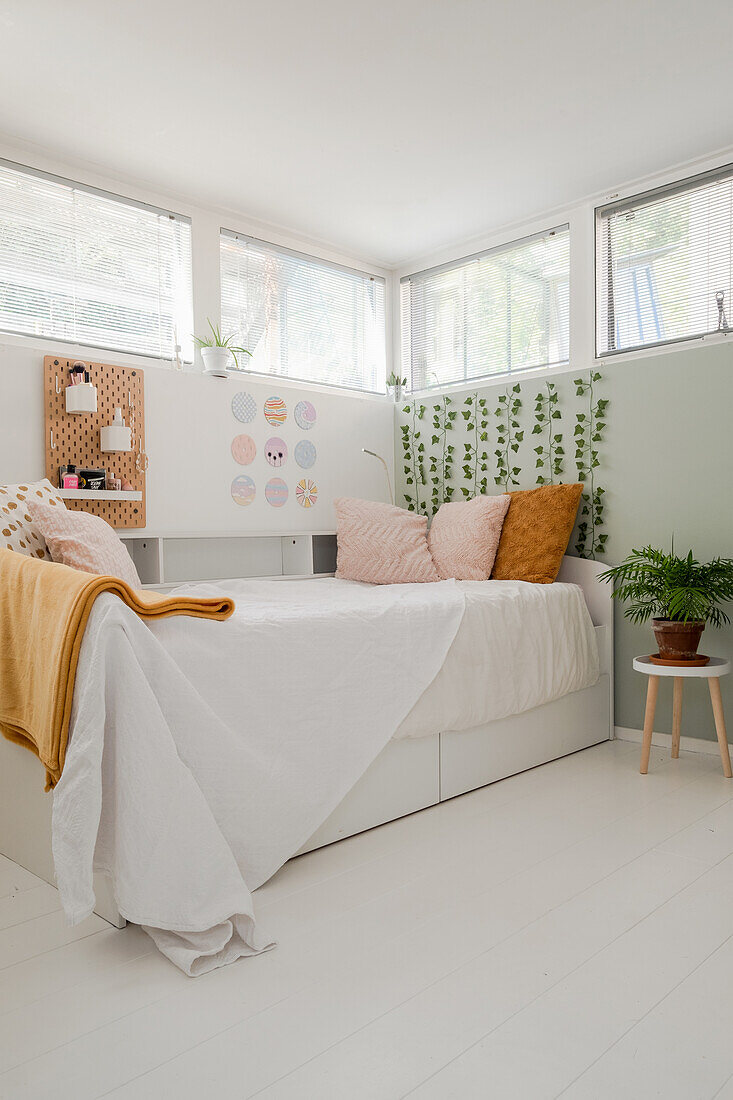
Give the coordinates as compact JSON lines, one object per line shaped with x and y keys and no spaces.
{"x":218,"y":351}
{"x":679,"y":595}
{"x":396,"y":384}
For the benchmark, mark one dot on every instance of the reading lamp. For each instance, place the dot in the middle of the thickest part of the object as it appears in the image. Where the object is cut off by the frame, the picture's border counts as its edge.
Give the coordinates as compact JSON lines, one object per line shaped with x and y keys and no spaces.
{"x":386,"y":471}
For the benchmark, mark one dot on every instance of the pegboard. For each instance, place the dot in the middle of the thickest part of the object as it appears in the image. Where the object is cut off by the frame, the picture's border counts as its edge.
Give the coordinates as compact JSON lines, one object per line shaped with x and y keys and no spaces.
{"x":76,"y":435}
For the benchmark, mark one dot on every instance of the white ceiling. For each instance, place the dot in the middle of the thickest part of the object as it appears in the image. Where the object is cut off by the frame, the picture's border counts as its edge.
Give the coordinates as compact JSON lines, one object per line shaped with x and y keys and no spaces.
{"x":387,"y":128}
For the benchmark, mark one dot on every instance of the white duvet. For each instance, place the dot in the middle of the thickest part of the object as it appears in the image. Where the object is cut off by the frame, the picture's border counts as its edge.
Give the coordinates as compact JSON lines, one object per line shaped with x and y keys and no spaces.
{"x":204,"y":754}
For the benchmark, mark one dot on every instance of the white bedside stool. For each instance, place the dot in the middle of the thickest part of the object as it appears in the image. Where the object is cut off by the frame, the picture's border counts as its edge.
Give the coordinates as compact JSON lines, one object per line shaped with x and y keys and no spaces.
{"x":712,"y":671}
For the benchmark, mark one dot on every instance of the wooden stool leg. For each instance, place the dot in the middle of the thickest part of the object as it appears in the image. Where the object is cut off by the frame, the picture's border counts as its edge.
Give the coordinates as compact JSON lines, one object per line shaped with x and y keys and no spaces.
{"x":651,"y":705}
{"x":717,"y":701}
{"x":677,"y":716}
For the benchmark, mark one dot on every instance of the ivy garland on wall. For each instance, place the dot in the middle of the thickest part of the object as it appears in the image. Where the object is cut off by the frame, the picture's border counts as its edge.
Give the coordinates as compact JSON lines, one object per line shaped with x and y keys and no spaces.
{"x":429,"y":473}
{"x":475,"y":458}
{"x":413,"y":451}
{"x":441,"y":463}
{"x":589,"y":427}
{"x":509,"y":436}
{"x":550,"y":453}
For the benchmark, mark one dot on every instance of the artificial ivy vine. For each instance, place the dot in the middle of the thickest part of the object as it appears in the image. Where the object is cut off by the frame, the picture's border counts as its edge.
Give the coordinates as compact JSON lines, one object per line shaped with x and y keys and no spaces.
{"x":509,"y":437}
{"x":441,"y":464}
{"x":475,"y":458}
{"x":589,"y":427}
{"x":413,"y":454}
{"x":550,"y":453}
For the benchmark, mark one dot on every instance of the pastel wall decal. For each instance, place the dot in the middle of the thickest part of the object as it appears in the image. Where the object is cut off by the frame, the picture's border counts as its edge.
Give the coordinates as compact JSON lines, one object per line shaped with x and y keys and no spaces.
{"x":244,"y":490}
{"x":244,"y":449}
{"x":276,"y":492}
{"x":306,"y":493}
{"x":305,"y":454}
{"x":244,"y":407}
{"x":276,"y":451}
{"x":305,"y":415}
{"x":275,"y":410}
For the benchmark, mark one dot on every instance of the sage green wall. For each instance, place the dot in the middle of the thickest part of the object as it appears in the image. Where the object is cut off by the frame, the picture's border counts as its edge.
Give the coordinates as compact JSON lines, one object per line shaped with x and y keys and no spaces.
{"x":667,"y":467}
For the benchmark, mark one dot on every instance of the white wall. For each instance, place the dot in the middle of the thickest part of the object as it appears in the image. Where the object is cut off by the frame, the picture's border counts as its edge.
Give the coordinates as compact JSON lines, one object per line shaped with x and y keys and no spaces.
{"x":189,"y":423}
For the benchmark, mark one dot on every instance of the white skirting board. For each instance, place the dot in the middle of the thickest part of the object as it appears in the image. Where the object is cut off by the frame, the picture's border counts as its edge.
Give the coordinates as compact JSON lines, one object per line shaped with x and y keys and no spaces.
{"x":664,"y":741}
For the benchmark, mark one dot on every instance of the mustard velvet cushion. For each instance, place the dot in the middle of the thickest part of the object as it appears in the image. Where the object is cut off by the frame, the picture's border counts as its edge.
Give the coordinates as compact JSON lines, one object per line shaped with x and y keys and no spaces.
{"x":536,"y":533}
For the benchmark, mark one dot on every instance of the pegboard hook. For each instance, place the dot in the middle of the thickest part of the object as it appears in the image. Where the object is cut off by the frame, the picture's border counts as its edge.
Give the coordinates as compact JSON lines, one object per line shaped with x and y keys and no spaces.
{"x":53,"y":445}
{"x":58,"y":388}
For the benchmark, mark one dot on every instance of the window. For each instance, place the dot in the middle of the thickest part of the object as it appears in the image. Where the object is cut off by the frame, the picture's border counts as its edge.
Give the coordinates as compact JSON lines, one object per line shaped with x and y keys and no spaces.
{"x":663,"y":264}
{"x":303,"y":318}
{"x":81,"y":265}
{"x":497,"y":312}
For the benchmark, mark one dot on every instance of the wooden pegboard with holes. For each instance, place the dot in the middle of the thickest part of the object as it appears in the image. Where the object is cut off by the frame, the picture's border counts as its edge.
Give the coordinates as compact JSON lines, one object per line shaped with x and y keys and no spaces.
{"x":75,"y":436}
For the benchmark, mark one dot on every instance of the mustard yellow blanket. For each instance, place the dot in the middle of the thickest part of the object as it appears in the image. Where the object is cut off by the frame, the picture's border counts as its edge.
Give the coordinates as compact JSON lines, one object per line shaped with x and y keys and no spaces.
{"x":44,"y":610}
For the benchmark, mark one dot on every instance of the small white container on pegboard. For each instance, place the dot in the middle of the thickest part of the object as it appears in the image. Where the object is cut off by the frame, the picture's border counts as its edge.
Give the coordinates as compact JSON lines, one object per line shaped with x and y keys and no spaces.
{"x":81,"y":398}
{"x":115,"y":436}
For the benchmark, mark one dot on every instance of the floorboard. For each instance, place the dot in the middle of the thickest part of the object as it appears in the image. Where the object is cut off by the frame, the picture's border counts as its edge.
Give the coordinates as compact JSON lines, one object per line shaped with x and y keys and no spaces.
{"x":564,"y":932}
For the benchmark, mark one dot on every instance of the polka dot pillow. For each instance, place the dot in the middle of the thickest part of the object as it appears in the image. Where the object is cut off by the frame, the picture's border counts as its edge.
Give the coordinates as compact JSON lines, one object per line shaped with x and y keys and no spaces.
{"x":17,"y":528}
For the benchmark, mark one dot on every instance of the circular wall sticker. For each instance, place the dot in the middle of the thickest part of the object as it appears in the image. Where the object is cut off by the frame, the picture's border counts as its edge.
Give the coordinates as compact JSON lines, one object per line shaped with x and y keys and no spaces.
{"x":276,"y":492}
{"x":305,"y":415}
{"x":305,"y":454}
{"x":276,"y":411}
{"x":306,"y":493}
{"x":276,"y":451}
{"x":244,"y":407}
{"x":244,"y":449}
{"x":244,"y":490}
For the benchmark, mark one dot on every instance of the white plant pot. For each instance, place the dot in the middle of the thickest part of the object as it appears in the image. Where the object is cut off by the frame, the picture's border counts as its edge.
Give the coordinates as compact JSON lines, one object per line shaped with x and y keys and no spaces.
{"x":217,"y":361}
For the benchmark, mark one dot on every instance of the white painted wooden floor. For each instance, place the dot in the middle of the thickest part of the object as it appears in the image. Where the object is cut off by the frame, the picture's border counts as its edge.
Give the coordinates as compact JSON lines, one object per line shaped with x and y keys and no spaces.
{"x":568,"y":932}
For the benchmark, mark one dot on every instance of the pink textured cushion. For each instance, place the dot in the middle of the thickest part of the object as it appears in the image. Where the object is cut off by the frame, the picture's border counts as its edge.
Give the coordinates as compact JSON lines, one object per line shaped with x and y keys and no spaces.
{"x":382,"y":544}
{"x":464,"y":537}
{"x":84,"y":542}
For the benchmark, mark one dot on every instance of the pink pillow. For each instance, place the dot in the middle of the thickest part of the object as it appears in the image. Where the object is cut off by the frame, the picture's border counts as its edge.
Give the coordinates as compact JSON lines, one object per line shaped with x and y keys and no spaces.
{"x":464,"y":537}
{"x":381,"y":544}
{"x":84,"y":542}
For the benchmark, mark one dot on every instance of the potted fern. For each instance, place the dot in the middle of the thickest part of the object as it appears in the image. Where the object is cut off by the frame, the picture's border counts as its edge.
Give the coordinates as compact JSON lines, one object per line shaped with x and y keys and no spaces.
{"x":218,"y":351}
{"x":679,"y":595}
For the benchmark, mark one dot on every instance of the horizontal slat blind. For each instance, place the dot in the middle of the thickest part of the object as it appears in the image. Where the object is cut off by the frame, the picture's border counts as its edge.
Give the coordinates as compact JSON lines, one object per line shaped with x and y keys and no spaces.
{"x":498,"y":312}
{"x":301,"y":317}
{"x":664,"y":263}
{"x":84,"y":266}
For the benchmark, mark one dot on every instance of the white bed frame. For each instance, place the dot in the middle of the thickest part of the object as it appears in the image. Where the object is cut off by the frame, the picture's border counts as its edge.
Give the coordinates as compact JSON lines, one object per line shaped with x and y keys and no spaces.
{"x":408,"y":775}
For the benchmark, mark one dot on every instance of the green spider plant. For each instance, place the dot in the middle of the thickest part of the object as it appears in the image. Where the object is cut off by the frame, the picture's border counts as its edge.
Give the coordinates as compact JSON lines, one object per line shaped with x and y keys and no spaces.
{"x":664,"y":586}
{"x":216,"y":340}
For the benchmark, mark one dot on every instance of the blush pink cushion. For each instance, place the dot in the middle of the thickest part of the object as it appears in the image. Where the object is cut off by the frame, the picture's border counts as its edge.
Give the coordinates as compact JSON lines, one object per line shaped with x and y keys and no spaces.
{"x":84,"y":542}
{"x":381,"y":544}
{"x":464,"y":537}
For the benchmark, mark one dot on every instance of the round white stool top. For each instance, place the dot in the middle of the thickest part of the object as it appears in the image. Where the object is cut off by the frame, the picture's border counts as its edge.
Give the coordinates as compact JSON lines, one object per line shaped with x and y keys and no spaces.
{"x":716,"y":666}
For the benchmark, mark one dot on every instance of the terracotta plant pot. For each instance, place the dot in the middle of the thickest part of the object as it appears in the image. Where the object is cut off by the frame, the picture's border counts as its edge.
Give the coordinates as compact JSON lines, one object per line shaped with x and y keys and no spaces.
{"x":677,"y":641}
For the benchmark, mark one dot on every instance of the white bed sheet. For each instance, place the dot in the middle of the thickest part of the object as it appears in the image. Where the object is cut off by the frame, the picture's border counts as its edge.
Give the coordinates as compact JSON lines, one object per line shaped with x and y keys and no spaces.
{"x":203,"y":754}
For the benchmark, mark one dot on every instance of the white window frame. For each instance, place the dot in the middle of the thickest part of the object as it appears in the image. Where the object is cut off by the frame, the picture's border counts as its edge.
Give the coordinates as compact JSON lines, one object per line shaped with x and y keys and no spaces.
{"x":123,"y":200}
{"x":629,"y":199}
{"x":502,"y":245}
{"x":320,"y":261}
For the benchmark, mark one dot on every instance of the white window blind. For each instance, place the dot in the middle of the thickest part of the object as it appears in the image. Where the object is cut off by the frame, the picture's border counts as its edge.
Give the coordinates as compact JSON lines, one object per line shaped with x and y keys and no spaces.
{"x":664,"y":264}
{"x":500,"y":311}
{"x":301,"y":317}
{"x":81,"y":265}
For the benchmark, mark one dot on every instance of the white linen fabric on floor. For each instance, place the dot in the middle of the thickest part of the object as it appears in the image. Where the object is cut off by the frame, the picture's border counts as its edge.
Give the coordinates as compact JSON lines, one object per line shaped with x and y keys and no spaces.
{"x":204,"y":754}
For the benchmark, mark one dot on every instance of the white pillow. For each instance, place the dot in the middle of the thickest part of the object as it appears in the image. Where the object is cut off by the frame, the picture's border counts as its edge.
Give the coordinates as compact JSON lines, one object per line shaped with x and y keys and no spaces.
{"x":18,"y":531}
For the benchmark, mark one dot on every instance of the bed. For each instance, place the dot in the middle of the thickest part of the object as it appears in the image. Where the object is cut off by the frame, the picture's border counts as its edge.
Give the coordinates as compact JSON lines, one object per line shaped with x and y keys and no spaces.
{"x":374,"y":751}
